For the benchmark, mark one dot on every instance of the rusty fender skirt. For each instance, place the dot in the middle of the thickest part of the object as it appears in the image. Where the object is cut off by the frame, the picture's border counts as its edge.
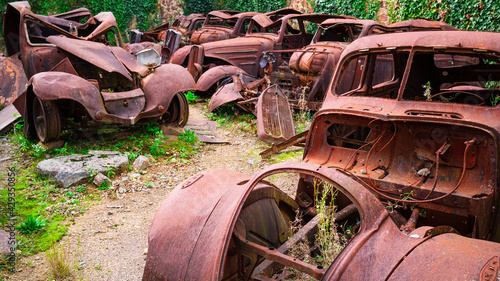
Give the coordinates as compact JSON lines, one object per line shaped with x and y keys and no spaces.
{"x":190,"y":234}
{"x":161,"y":86}
{"x":214,"y":74}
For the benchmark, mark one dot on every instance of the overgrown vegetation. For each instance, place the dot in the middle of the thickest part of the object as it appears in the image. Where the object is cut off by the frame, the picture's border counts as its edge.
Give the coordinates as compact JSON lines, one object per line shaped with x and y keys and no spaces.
{"x":468,"y":15}
{"x":59,"y":261}
{"x":31,"y":224}
{"x":364,"y":9}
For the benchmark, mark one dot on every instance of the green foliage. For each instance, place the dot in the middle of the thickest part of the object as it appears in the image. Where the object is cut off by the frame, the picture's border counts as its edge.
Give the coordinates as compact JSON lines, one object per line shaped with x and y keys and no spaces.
{"x":262,"y":6}
{"x":191,"y":97}
{"x":32,"y":224}
{"x":196,"y":6}
{"x":61,"y":151}
{"x":364,"y":9}
{"x":105,"y":185}
{"x":468,"y":15}
{"x":188,"y":137}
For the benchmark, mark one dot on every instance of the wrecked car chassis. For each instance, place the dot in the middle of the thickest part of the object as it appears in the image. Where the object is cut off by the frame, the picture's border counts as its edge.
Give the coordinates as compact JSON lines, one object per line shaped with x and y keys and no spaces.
{"x":75,"y":72}
{"x":408,"y":137}
{"x":221,"y":226}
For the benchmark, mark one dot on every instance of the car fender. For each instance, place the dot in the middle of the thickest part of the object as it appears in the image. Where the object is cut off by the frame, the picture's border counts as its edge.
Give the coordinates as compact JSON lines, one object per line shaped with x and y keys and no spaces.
{"x":214,"y":74}
{"x":180,"y":56}
{"x":161,"y":86}
{"x":53,"y":86}
{"x":191,"y":232}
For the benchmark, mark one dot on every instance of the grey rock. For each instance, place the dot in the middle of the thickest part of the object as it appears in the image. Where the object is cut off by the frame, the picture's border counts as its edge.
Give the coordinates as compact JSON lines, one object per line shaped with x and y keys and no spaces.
{"x":73,"y":169}
{"x":4,"y":242}
{"x":141,"y":163}
{"x":100,"y":179}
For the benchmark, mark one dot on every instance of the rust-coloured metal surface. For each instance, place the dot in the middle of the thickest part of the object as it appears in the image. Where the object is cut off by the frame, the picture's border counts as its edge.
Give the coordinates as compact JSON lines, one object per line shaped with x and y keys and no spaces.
{"x":80,"y":69}
{"x":423,"y":131}
{"x":227,"y":231}
{"x":274,"y":116}
{"x":12,"y":79}
{"x":220,"y":26}
{"x":205,"y":130}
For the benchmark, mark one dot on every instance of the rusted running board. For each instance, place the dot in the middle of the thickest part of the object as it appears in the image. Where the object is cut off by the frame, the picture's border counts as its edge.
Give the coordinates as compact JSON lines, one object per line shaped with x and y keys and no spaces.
{"x":299,"y":138}
{"x":306,"y":232}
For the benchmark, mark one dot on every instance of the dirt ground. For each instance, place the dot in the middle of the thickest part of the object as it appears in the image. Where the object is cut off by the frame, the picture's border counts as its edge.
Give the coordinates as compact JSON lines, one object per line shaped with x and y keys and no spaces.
{"x":109,"y":241}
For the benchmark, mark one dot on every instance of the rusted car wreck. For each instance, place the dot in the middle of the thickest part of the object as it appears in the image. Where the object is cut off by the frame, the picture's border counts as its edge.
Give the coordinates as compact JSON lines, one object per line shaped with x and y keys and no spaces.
{"x":407,"y":136}
{"x":81,"y":72}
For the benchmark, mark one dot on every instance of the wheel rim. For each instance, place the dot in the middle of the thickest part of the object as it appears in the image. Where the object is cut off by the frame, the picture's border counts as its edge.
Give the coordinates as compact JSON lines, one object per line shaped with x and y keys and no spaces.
{"x":46,"y":120}
{"x":178,"y":111}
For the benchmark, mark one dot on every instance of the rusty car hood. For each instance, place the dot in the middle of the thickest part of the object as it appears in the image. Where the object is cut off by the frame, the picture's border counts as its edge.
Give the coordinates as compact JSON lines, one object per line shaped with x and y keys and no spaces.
{"x":239,"y":51}
{"x":211,"y":34}
{"x":95,"y":53}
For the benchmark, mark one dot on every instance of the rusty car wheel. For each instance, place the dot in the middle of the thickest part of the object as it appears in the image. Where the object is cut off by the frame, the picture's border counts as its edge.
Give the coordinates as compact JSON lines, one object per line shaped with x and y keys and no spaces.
{"x":178,"y":111}
{"x":47,"y":120}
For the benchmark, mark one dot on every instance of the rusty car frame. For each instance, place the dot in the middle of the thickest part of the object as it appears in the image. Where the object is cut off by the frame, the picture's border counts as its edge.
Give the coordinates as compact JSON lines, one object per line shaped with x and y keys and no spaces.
{"x":220,"y":26}
{"x":305,"y":78}
{"x":407,"y":135}
{"x":216,"y":61}
{"x":80,"y":71}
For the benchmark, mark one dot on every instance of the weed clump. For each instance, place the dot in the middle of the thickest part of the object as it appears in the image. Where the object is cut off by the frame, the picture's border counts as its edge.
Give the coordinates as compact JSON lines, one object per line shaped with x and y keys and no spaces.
{"x":32,"y":224}
{"x":59,"y":262}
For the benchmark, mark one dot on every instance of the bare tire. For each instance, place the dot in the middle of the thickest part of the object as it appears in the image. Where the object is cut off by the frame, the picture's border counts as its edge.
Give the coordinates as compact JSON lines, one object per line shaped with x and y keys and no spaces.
{"x":47,"y":120}
{"x":178,"y":111}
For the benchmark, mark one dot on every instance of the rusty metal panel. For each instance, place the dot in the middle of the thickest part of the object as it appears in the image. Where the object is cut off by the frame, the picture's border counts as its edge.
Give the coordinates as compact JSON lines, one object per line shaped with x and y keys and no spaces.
{"x":205,"y":130}
{"x":12,"y":79}
{"x":274,"y":116}
{"x":97,"y":54}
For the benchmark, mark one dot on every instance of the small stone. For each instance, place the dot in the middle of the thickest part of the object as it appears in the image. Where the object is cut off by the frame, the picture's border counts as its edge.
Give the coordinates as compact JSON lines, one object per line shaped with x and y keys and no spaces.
{"x":171,"y":131}
{"x":110,"y":213}
{"x":423,"y":172}
{"x":37,"y":258}
{"x":52,"y":145}
{"x":73,"y":213}
{"x":135,"y":176}
{"x":363,"y":171}
{"x":145,"y":251}
{"x":141,"y":163}
{"x":100,"y":179}
{"x":121,"y":190}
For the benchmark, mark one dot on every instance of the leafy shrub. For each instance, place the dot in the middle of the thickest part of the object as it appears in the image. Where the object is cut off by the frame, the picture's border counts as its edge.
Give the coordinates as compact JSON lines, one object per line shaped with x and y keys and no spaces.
{"x":364,"y":9}
{"x":188,"y":137}
{"x":191,"y":97}
{"x":32,"y":224}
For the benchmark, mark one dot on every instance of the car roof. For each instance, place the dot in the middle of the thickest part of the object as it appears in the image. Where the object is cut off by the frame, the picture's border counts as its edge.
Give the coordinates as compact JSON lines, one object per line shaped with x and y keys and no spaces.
{"x":478,"y":40}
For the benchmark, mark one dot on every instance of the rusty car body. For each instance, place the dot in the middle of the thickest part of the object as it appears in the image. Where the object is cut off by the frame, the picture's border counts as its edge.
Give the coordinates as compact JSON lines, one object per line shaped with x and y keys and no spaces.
{"x":220,"y":26}
{"x":408,"y":136}
{"x":216,"y":61}
{"x":81,"y":71}
{"x":305,"y":78}
{"x":308,"y":73}
{"x":417,"y":116}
